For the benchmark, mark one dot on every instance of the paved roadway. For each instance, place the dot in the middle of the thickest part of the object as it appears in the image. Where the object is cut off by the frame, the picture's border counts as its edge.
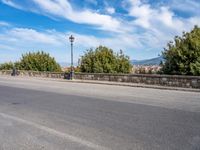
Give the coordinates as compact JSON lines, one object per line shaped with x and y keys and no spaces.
{"x":44,"y":114}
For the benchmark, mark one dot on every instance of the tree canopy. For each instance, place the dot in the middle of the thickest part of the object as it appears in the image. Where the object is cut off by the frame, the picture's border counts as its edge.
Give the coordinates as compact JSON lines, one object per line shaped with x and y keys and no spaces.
{"x":6,"y":66}
{"x":35,"y":61}
{"x":39,"y":61}
{"x":104,"y":60}
{"x":183,"y":55}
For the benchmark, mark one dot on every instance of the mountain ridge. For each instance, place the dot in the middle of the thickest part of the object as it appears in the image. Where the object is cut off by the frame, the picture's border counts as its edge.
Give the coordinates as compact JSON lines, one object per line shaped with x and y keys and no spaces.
{"x":152,"y":61}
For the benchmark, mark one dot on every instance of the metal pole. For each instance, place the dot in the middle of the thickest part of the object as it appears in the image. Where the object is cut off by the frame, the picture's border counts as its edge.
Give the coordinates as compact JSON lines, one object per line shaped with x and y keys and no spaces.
{"x":71,"y":39}
{"x":72,"y":73}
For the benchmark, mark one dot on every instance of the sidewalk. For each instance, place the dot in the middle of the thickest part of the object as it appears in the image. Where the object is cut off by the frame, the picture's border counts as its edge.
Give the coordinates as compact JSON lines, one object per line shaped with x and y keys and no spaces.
{"x":139,"y":85}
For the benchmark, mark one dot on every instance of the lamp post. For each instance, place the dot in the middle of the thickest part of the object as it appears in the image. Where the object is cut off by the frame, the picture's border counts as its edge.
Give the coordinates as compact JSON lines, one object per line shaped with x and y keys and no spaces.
{"x":71,"y":39}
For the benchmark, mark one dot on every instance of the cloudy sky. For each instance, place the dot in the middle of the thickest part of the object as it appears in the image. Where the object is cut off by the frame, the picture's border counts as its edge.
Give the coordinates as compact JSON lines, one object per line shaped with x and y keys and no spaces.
{"x":139,"y":27}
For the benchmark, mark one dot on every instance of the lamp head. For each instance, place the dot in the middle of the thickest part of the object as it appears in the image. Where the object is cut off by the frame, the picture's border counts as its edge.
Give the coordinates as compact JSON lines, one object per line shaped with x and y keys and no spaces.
{"x":71,"y":39}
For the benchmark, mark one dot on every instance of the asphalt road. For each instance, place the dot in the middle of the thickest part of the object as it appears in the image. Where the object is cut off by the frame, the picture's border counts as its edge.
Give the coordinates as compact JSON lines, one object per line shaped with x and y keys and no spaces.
{"x":55,"y":115}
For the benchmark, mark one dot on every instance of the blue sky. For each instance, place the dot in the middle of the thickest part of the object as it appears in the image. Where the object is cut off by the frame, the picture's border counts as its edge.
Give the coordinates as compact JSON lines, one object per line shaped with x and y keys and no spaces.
{"x":141,"y":28}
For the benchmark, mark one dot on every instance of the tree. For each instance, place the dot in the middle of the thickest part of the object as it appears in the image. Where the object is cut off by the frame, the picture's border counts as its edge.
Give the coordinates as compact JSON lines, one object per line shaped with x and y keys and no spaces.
{"x":38,"y":61}
{"x":183,"y":55}
{"x":123,"y":63}
{"x":104,"y":60}
{"x":6,"y":66}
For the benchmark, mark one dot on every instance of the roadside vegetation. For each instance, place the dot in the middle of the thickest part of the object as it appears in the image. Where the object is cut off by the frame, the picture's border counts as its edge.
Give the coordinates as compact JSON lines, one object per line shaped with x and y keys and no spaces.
{"x":6,"y":66}
{"x":181,"y":57}
{"x":104,"y":60}
{"x":35,"y":61}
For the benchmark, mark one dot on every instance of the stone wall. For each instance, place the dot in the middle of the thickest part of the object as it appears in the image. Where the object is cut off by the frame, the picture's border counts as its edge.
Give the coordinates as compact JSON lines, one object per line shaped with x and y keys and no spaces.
{"x":164,"y":80}
{"x":34,"y":74}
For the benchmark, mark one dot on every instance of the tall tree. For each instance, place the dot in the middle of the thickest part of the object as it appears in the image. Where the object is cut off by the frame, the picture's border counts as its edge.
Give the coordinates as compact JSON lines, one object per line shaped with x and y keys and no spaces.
{"x":6,"y":66}
{"x":38,"y":61}
{"x":183,"y":55}
{"x":104,"y":60}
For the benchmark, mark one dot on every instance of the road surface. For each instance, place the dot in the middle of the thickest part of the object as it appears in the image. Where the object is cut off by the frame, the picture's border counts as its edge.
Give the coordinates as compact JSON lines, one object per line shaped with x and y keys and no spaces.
{"x":45,"y":114}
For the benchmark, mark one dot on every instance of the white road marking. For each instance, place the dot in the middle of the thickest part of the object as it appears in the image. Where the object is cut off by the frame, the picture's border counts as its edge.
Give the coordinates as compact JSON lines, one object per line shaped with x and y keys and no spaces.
{"x":55,"y":132}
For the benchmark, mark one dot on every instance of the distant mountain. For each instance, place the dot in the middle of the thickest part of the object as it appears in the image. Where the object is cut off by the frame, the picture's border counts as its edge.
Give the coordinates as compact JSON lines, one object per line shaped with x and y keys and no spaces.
{"x":153,"y":61}
{"x":64,"y":64}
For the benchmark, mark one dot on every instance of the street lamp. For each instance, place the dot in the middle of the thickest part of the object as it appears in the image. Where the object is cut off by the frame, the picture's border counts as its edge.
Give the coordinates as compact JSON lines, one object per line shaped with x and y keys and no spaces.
{"x":71,"y":39}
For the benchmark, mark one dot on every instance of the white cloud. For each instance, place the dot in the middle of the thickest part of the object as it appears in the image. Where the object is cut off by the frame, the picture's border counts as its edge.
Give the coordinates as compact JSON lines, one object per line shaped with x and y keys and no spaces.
{"x":22,"y":40}
{"x":150,"y":29}
{"x":15,"y":41}
{"x":29,"y":35}
{"x":141,"y":12}
{"x":4,"y":24}
{"x":186,"y":6}
{"x":194,"y":21}
{"x":11,"y":3}
{"x":63,"y":9}
{"x":160,"y":19}
{"x":117,"y":42}
{"x":161,"y":16}
{"x":110,"y":10}
{"x":146,"y":16}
